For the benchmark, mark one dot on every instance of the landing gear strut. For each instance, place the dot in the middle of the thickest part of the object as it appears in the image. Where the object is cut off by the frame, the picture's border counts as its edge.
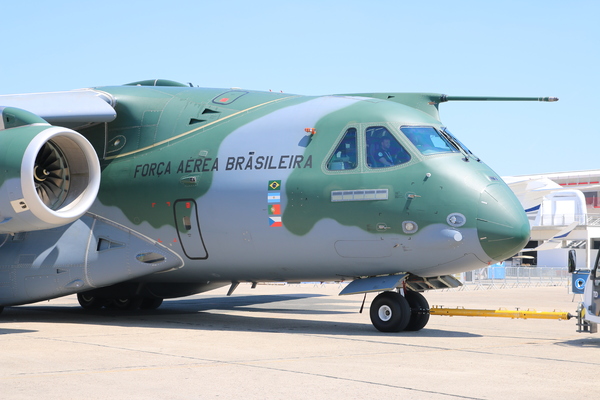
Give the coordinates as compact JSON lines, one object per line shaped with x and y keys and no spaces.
{"x":392,"y":312}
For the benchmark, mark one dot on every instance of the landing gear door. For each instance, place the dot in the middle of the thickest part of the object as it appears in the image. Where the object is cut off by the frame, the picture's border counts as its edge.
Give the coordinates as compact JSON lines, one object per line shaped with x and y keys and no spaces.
{"x":188,"y":229}
{"x":595,"y":277}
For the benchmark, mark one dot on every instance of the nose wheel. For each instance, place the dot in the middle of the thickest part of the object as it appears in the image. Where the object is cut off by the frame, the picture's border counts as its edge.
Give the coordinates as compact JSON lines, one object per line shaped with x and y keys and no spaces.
{"x":392,"y":312}
{"x":419,"y":310}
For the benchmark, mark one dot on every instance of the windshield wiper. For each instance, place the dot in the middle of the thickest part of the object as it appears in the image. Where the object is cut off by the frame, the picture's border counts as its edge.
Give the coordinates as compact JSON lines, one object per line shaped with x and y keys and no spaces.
{"x":459,"y":146}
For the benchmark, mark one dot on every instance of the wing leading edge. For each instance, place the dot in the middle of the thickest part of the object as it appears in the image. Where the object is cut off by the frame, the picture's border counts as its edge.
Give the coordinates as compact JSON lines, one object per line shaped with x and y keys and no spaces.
{"x":71,"y":109}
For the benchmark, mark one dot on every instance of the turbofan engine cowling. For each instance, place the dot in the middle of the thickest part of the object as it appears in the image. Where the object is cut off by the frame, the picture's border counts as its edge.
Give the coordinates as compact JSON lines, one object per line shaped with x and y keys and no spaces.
{"x":49,"y":175}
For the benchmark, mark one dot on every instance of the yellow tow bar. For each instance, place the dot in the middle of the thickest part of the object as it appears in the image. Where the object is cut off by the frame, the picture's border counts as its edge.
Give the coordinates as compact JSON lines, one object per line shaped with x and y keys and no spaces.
{"x":501,"y":313}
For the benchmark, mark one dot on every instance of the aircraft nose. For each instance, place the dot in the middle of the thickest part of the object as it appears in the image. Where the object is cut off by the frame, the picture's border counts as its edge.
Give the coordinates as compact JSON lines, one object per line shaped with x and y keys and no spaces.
{"x":502,"y":224}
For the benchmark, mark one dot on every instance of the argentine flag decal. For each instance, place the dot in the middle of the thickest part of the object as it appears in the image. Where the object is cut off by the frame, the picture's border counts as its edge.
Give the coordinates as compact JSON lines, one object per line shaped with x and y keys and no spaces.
{"x":274,"y":197}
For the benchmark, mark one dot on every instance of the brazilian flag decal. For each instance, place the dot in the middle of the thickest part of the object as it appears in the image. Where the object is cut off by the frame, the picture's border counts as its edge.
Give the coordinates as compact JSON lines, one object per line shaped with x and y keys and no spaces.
{"x":274,"y":185}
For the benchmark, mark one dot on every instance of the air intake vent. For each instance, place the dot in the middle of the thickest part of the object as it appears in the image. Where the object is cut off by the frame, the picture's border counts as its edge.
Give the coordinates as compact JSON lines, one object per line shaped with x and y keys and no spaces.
{"x":105,"y":244}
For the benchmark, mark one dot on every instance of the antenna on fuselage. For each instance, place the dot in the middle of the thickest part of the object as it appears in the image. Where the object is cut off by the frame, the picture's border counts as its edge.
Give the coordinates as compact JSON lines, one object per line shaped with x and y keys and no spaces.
{"x":444,"y":98}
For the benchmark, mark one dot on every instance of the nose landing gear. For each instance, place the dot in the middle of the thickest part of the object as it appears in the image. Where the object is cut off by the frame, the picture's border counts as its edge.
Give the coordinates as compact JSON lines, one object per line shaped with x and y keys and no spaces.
{"x":392,"y":312}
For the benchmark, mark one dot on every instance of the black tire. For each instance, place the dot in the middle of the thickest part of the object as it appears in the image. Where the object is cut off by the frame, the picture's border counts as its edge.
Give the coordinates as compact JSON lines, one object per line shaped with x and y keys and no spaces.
{"x":127,"y":303}
{"x":89,"y":302}
{"x":419,"y":310}
{"x":151,"y":303}
{"x":390,"y":312}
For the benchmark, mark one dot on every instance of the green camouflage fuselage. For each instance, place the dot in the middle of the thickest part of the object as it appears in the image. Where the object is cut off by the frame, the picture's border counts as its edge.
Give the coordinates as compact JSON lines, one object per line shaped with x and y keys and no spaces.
{"x":238,"y":185}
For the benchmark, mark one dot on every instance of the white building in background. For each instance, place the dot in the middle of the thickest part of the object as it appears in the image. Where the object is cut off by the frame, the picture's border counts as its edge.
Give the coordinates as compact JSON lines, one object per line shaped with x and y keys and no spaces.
{"x":564,"y":214}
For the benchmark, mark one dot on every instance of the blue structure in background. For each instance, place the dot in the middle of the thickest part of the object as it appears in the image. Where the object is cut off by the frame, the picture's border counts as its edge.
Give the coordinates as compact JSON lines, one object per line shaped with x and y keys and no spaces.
{"x":497,"y":271}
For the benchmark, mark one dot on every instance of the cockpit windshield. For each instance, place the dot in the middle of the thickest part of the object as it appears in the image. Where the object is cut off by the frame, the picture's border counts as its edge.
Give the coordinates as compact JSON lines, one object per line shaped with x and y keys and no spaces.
{"x":428,"y":140}
{"x":383,"y":149}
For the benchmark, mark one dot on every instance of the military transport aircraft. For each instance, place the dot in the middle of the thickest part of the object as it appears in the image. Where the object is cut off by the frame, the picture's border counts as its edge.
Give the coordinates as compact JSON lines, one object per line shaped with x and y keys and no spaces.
{"x":127,"y":195}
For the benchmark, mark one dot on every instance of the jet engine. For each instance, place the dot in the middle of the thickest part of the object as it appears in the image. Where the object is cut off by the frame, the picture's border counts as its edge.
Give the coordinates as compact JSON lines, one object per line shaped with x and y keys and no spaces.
{"x":49,"y":175}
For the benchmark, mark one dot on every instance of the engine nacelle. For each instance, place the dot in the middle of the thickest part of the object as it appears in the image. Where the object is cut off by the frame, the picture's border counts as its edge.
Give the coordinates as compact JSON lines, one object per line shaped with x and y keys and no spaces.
{"x":49,"y":175}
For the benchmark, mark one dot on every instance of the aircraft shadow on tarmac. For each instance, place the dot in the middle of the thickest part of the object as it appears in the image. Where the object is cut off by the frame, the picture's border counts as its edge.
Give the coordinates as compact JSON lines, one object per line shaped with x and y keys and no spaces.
{"x":13,"y":331}
{"x":587,"y":342}
{"x":203,"y":314}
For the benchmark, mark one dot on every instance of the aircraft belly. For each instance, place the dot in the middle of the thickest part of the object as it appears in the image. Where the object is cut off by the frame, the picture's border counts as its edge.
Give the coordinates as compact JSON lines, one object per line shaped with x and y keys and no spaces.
{"x":89,"y":253}
{"x":242,"y":245}
{"x":268,"y":254}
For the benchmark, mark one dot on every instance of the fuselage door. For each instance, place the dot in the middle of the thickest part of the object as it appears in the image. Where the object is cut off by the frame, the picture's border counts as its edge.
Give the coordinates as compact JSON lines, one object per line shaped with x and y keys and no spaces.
{"x":595,"y":281}
{"x":188,"y":229}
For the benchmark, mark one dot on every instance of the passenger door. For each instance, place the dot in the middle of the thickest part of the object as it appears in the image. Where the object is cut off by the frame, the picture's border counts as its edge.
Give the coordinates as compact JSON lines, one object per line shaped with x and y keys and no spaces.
{"x":188,"y":229}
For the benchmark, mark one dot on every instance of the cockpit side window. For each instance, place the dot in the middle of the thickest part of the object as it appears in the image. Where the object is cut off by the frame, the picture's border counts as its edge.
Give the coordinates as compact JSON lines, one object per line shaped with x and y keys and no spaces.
{"x":428,"y":140}
{"x":383,"y":149}
{"x":344,"y":156}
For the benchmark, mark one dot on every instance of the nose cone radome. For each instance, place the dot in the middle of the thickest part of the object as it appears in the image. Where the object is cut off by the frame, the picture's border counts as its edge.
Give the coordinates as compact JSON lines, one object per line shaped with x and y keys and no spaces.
{"x":502,"y":224}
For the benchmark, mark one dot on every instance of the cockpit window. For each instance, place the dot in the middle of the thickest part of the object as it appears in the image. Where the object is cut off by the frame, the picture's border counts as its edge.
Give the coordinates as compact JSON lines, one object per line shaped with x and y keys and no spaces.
{"x":428,"y":140}
{"x":344,"y":156}
{"x":383,"y":150}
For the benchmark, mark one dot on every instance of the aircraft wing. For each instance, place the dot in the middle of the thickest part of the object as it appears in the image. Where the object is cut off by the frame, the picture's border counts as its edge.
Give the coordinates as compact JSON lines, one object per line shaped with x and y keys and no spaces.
{"x":72,"y":108}
{"x":588,"y":181}
{"x":531,"y":191}
{"x":554,"y":239}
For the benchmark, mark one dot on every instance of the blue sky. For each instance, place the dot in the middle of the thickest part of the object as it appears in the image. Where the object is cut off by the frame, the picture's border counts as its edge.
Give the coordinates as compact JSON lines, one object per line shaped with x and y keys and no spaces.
{"x":507,"y":48}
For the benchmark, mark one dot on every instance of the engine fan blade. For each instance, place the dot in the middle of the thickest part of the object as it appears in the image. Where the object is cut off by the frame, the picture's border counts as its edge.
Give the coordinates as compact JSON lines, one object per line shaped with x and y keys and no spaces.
{"x":52,"y":176}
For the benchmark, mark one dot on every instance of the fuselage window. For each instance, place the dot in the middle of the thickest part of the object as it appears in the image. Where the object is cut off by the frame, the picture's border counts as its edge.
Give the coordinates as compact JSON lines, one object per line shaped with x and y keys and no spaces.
{"x":383,"y":149}
{"x":427,"y":140}
{"x":344,"y":156}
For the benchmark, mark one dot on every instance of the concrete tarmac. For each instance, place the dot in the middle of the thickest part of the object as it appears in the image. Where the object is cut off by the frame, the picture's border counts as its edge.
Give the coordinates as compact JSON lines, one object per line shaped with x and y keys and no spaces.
{"x":296,"y":342}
